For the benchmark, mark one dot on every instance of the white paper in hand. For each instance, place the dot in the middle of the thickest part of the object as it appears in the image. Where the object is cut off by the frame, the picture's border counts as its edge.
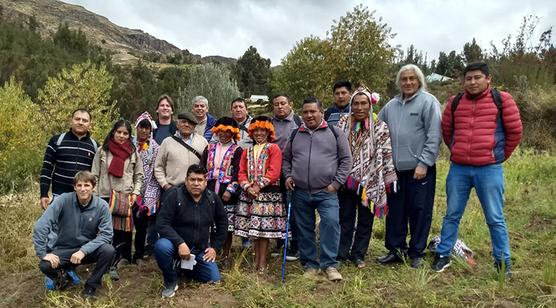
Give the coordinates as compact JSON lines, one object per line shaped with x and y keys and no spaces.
{"x":188,"y":264}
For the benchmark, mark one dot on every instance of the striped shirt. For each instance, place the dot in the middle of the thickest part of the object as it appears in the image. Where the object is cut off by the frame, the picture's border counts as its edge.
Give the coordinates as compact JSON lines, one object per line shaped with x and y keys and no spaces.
{"x":62,"y":162}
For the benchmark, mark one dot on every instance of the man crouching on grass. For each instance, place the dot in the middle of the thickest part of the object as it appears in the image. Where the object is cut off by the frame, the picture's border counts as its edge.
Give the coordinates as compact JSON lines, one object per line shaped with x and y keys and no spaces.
{"x":187,"y":214}
{"x":84,"y":235}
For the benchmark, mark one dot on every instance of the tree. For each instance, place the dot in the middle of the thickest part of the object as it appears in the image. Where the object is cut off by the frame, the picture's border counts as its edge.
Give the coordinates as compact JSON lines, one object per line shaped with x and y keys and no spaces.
{"x":472,"y":52}
{"x":357,"y":49}
{"x":22,"y":137}
{"x":82,"y":86}
{"x":303,"y":69}
{"x":360,"y":49}
{"x":213,"y":82}
{"x":252,"y":73}
{"x":450,"y":65}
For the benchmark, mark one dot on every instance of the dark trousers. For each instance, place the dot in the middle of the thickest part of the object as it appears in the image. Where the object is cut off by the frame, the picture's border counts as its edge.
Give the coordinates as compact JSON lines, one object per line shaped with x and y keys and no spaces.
{"x":350,"y":208}
{"x":122,"y":243}
{"x":141,"y":223}
{"x":411,"y":204}
{"x":103,"y":257}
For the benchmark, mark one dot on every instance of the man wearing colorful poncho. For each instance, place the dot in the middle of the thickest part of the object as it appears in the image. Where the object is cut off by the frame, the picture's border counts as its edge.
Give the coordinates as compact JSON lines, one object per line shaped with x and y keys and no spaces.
{"x":372,"y":172}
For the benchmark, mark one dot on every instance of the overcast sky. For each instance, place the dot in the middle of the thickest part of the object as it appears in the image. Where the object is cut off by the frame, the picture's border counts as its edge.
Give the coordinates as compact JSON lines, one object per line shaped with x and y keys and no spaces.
{"x":228,"y":28}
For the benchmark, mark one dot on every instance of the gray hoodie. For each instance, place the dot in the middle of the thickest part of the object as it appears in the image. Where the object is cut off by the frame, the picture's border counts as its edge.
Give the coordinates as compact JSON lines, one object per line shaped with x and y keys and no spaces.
{"x":414,"y":126}
{"x":316,"y":159}
{"x":84,"y":228}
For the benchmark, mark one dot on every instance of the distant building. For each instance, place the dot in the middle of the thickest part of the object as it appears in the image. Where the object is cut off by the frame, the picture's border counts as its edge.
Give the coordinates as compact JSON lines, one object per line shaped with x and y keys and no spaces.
{"x":437,"y":77}
{"x":255,"y":98}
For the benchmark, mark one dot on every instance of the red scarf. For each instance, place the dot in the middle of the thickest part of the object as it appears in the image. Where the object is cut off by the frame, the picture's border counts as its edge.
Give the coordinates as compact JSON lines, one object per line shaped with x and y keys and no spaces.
{"x":120,"y":152}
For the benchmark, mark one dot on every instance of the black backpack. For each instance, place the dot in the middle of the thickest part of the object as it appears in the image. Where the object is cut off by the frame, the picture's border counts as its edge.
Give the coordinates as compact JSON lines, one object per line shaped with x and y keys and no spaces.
{"x":497,"y":101}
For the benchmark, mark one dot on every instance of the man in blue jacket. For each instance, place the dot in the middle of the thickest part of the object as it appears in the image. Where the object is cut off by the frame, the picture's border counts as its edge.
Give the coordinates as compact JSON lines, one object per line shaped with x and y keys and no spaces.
{"x":84,"y":235}
{"x":206,"y":121}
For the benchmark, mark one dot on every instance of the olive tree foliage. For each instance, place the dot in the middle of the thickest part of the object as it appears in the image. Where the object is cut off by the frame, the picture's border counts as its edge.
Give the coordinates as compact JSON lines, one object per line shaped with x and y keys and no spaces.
{"x":22,"y":137}
{"x":84,"y":85}
{"x":357,"y":48}
{"x":213,"y":82}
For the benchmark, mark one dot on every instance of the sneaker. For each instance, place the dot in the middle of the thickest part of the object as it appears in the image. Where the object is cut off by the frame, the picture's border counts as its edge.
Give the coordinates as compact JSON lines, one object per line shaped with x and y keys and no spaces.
{"x":122,"y":263}
{"x":333,"y":275}
{"x":74,"y":277}
{"x":275,"y":254}
{"x":416,"y":262}
{"x":359,"y":263}
{"x":89,"y":293}
{"x":169,"y":290}
{"x":310,"y":273}
{"x":440,"y":263}
{"x":291,"y":256}
{"x":49,"y":284}
{"x":114,"y":273}
{"x":149,"y":249}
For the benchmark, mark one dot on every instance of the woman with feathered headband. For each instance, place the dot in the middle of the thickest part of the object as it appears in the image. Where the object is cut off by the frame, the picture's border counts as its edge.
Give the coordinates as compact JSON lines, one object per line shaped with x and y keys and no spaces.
{"x":221,"y":160}
{"x":372,"y":173}
{"x":260,"y":213}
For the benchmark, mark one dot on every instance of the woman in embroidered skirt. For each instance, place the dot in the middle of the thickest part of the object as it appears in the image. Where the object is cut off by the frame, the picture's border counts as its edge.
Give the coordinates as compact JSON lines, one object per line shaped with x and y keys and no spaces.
{"x":147,"y":202}
{"x":260,"y":212}
{"x":119,"y":173}
{"x":222,"y":162}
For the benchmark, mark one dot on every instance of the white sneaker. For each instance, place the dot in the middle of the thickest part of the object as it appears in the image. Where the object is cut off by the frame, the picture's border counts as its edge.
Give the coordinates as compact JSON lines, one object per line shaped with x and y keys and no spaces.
{"x":333,"y":275}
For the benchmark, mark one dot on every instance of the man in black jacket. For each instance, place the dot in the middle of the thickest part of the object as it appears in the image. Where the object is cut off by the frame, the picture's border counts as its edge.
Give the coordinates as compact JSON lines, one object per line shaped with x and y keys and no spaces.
{"x":184,"y":222}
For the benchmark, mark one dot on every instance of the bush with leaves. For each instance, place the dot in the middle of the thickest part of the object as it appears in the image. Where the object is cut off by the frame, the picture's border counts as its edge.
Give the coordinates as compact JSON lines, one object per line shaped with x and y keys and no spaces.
{"x":22,"y":137}
{"x":357,"y":49}
{"x":213,"y":82}
{"x":84,"y":85}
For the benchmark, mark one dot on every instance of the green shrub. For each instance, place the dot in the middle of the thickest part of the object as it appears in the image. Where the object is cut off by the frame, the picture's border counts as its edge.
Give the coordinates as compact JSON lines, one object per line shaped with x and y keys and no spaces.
{"x":22,"y":137}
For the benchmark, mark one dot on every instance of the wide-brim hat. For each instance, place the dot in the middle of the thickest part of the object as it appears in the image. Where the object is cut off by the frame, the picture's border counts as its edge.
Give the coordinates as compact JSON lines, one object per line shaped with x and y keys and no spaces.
{"x":226,"y":124}
{"x":263,"y":122}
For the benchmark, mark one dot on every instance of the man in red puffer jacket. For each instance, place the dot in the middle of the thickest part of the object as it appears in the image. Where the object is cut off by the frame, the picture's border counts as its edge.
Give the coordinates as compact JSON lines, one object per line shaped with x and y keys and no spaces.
{"x":480,"y":136}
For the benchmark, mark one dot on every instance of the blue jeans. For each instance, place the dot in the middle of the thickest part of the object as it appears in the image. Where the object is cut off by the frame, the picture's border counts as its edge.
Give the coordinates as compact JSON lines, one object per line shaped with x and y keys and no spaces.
{"x":489,"y":186}
{"x":166,"y":255}
{"x":303,"y":206}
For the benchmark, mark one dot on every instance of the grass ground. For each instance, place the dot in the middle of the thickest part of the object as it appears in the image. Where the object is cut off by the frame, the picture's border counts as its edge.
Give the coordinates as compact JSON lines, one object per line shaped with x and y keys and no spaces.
{"x":530,"y":212}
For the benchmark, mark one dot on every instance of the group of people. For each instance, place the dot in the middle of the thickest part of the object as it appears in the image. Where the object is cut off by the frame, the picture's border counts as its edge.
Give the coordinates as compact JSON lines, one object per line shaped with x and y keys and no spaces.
{"x":188,"y":186}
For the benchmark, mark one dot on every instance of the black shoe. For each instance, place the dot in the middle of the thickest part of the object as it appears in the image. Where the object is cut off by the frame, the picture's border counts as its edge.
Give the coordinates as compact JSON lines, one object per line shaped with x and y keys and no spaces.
{"x":501,"y":266}
{"x":440,"y":263}
{"x":416,"y":262}
{"x":89,"y":293}
{"x":391,"y":257}
{"x":149,"y":249}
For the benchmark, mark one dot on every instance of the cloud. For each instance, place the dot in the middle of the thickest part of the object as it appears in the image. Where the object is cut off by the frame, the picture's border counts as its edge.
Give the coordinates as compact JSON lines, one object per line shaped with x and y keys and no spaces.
{"x":228,"y":28}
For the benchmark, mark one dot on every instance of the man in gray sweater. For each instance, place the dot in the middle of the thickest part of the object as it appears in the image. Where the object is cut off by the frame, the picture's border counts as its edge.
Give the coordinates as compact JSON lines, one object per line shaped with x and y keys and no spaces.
{"x":84,"y":236}
{"x":413,"y":118}
{"x":316,"y":162}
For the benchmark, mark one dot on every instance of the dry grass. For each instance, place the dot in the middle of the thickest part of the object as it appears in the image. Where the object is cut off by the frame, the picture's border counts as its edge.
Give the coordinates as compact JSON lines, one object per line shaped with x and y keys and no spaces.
{"x":531,"y":215}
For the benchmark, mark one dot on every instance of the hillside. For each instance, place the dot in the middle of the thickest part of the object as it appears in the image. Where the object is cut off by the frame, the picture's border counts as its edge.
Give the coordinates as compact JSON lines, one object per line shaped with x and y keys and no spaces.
{"x":125,"y":44}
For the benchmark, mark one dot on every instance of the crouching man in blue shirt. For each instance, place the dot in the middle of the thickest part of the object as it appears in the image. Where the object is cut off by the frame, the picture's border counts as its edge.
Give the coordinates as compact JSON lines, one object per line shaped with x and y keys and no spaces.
{"x":84,"y":235}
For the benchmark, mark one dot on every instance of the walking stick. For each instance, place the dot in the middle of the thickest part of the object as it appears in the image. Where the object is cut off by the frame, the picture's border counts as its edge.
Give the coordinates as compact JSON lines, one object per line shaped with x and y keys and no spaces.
{"x":286,"y":241}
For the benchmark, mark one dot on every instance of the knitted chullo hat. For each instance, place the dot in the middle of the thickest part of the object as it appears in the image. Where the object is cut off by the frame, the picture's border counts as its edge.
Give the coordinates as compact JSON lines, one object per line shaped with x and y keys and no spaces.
{"x":226,"y":124}
{"x":263,"y":122}
{"x":145,"y":116}
{"x":372,"y":96}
